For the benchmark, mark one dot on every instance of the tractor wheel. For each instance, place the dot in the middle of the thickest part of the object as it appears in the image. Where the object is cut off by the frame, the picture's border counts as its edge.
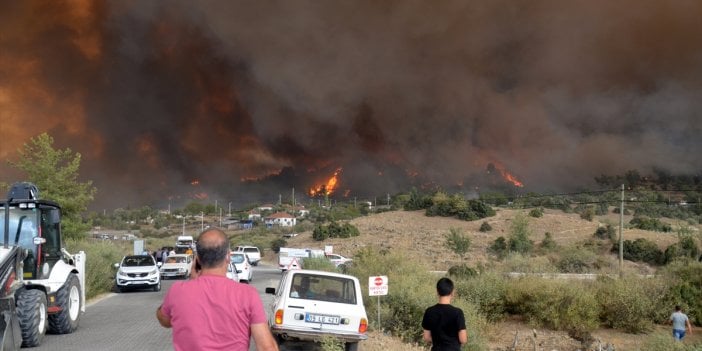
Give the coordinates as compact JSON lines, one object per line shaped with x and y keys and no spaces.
{"x":68,"y":298}
{"x":31,"y":308}
{"x":351,"y":346}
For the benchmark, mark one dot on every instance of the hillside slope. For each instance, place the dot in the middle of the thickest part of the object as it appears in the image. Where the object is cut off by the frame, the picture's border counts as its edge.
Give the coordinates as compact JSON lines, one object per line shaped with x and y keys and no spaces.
{"x":421,"y":238}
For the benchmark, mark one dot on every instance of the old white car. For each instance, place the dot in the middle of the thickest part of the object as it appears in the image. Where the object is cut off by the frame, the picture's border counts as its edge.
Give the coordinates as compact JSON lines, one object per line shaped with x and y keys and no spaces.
{"x":176,"y":266}
{"x":309,"y":305}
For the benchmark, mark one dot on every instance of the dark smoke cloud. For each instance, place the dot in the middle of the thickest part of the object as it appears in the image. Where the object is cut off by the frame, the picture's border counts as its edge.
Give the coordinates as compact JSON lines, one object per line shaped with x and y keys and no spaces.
{"x":158,"y":94}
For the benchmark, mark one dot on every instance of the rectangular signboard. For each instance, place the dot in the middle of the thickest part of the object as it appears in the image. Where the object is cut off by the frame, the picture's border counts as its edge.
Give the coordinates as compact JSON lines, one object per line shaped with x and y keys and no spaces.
{"x":378,"y":285}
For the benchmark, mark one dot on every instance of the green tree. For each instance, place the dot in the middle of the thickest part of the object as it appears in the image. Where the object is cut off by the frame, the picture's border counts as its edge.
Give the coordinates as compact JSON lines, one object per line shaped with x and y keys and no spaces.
{"x":55,"y":173}
{"x":457,"y":242}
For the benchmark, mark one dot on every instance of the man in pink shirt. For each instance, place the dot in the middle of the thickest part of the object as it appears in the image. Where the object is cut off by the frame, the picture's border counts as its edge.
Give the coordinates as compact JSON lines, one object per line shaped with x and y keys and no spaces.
{"x":212,"y":312}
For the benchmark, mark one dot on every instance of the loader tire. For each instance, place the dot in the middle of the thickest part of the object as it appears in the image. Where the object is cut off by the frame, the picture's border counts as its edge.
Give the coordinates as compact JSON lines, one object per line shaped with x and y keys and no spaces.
{"x":68,"y":298}
{"x":32,"y":313}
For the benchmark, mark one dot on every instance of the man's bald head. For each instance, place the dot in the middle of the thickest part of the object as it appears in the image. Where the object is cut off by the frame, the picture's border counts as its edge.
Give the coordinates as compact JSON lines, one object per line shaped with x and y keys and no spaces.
{"x":212,"y":247}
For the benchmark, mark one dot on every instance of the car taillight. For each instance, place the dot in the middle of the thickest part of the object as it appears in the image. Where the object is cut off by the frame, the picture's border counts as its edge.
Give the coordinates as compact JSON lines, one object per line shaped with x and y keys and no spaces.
{"x":363,"y":327}
{"x":279,"y":317}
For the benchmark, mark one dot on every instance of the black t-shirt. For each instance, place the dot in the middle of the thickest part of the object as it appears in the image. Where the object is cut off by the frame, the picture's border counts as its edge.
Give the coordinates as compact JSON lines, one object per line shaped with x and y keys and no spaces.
{"x":444,"y":321}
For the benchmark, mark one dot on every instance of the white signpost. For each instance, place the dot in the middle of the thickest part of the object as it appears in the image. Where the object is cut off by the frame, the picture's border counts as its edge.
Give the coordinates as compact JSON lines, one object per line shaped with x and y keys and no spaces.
{"x":378,"y":286}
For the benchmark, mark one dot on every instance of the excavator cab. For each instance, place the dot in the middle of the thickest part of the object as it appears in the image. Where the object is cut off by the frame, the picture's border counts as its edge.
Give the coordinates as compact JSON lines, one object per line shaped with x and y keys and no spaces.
{"x":33,"y":225}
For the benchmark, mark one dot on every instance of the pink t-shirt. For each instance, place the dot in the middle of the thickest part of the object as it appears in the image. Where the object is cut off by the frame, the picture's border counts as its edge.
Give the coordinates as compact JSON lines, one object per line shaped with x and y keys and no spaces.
{"x":212,"y":313}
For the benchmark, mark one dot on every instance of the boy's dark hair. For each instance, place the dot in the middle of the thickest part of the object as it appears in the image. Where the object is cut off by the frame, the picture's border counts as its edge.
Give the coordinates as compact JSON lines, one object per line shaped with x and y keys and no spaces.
{"x":444,"y":287}
{"x":210,"y":253}
{"x":678,"y":308}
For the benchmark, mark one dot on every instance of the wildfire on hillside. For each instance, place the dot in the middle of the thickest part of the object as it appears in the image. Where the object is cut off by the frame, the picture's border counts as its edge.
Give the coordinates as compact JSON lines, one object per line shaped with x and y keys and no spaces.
{"x":495,"y":166}
{"x":327,"y":187}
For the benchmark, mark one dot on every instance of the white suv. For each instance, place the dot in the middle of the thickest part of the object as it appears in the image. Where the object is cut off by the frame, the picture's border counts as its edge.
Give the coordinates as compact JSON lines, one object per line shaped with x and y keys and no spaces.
{"x":138,"y":271}
{"x":311,"y":304}
{"x":252,"y":251}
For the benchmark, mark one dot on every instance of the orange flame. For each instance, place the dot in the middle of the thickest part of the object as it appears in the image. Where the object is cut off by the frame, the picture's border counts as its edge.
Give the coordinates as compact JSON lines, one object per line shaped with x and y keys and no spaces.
{"x":195,"y":182}
{"x":328,"y":187}
{"x":506,"y":175}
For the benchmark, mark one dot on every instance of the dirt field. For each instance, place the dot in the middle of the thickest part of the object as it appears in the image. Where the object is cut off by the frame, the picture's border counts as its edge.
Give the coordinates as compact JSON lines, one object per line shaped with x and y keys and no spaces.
{"x":421,"y":237}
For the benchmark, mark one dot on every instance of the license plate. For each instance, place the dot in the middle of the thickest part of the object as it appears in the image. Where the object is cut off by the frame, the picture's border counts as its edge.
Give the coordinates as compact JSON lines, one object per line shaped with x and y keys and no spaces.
{"x":320,"y":318}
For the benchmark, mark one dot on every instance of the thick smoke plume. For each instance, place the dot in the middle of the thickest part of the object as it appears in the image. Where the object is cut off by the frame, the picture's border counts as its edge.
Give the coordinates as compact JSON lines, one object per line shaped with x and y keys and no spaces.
{"x":155,"y":94}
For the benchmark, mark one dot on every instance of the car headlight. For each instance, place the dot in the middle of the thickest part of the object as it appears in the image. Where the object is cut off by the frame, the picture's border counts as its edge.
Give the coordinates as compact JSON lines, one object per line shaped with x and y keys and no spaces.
{"x":121,"y":273}
{"x":155,"y":271}
{"x":181,"y":270}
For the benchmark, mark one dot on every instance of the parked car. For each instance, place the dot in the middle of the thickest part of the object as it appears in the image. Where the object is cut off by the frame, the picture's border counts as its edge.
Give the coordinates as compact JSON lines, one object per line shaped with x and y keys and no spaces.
{"x":338,"y":260}
{"x":176,"y":266}
{"x":231,"y":272}
{"x":252,"y":251}
{"x":243,"y":267}
{"x":309,"y":305}
{"x":135,"y":272}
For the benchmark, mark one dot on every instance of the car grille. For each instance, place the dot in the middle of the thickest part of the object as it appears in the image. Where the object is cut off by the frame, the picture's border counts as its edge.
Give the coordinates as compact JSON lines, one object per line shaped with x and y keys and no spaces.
{"x":171,"y":270}
{"x":136,"y":275}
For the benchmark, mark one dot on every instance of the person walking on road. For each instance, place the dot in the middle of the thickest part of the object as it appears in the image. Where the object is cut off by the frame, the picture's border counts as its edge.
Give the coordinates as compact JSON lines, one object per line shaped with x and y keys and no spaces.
{"x":444,"y":325}
{"x":210,"y":311}
{"x":679,"y":321}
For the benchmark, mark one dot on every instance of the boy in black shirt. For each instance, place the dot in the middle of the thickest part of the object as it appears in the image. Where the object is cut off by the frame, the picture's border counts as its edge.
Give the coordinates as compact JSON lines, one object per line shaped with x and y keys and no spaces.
{"x":444,"y":325}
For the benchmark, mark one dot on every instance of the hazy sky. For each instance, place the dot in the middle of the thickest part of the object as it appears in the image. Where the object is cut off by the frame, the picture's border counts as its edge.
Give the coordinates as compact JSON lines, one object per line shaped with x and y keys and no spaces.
{"x":155,"y":94}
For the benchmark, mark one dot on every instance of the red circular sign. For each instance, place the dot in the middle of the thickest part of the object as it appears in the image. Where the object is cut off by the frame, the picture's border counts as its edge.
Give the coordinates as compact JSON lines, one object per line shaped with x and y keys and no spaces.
{"x":378,"y":281}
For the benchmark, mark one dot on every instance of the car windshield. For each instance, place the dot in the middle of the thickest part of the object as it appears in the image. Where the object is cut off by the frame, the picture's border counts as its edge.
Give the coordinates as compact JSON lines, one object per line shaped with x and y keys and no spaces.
{"x":138,"y":261}
{"x":250,"y":249}
{"x":237,"y":258}
{"x":22,"y":228}
{"x":323,"y":288}
{"x":177,"y":259}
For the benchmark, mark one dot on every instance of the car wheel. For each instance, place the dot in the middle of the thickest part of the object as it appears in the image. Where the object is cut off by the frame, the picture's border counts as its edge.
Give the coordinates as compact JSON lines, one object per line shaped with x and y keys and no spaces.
{"x":32,"y":312}
{"x":351,"y":346}
{"x":157,"y":287}
{"x":69,"y":299}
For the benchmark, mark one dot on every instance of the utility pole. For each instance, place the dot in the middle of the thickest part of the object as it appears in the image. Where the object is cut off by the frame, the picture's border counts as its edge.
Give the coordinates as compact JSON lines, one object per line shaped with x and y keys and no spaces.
{"x":280,"y":199}
{"x":388,"y":195}
{"x":621,"y":235}
{"x":183,"y":225}
{"x":215,"y":205}
{"x":220,"y":217}
{"x":229,"y":214}
{"x":202,"y":222}
{"x":293,"y":202}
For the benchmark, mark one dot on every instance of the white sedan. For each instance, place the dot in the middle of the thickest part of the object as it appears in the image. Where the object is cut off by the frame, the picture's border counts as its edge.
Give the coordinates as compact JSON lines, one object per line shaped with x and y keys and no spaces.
{"x":176,"y":266}
{"x":338,"y":260}
{"x":243,"y":267}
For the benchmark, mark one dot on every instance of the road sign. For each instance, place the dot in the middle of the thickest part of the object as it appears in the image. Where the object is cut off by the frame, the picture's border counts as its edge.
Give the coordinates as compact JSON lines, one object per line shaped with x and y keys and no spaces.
{"x":378,"y":285}
{"x":294,"y":264}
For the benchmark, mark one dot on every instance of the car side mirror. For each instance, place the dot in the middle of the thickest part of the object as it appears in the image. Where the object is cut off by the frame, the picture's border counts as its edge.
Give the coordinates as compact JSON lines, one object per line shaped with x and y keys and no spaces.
{"x":116,"y":265}
{"x":270,"y":291}
{"x":159,"y":264}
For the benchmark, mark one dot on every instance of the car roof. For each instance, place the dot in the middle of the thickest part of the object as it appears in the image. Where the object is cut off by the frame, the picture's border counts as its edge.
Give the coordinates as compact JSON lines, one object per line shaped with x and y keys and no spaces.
{"x":315,"y":272}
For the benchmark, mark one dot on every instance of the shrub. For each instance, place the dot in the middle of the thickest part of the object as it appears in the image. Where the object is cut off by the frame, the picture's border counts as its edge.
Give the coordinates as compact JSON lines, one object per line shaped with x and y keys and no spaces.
{"x":519,"y":236}
{"x":629,"y":304}
{"x":653,"y":224}
{"x":554,"y":304}
{"x":334,"y":230}
{"x":498,"y":247}
{"x":319,"y":264}
{"x":461,"y":271}
{"x":548,"y":244}
{"x":606,"y":232}
{"x":99,"y":270}
{"x":685,"y":288}
{"x":457,"y":242}
{"x":588,"y":214}
{"x":576,"y":260}
{"x":537,"y":212}
{"x":685,"y":247}
{"x":485,"y":227}
{"x":276,"y":244}
{"x":641,"y":250}
{"x":487,"y":292}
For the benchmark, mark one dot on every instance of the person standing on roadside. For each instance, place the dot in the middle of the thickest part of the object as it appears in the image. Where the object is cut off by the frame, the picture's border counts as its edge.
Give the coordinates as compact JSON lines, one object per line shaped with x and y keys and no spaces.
{"x":679,"y":321}
{"x":210,"y":311}
{"x":444,"y":325}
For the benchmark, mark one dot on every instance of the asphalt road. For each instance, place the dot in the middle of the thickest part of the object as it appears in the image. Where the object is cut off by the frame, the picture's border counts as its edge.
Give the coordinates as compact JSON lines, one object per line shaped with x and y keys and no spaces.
{"x":127,"y":321}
